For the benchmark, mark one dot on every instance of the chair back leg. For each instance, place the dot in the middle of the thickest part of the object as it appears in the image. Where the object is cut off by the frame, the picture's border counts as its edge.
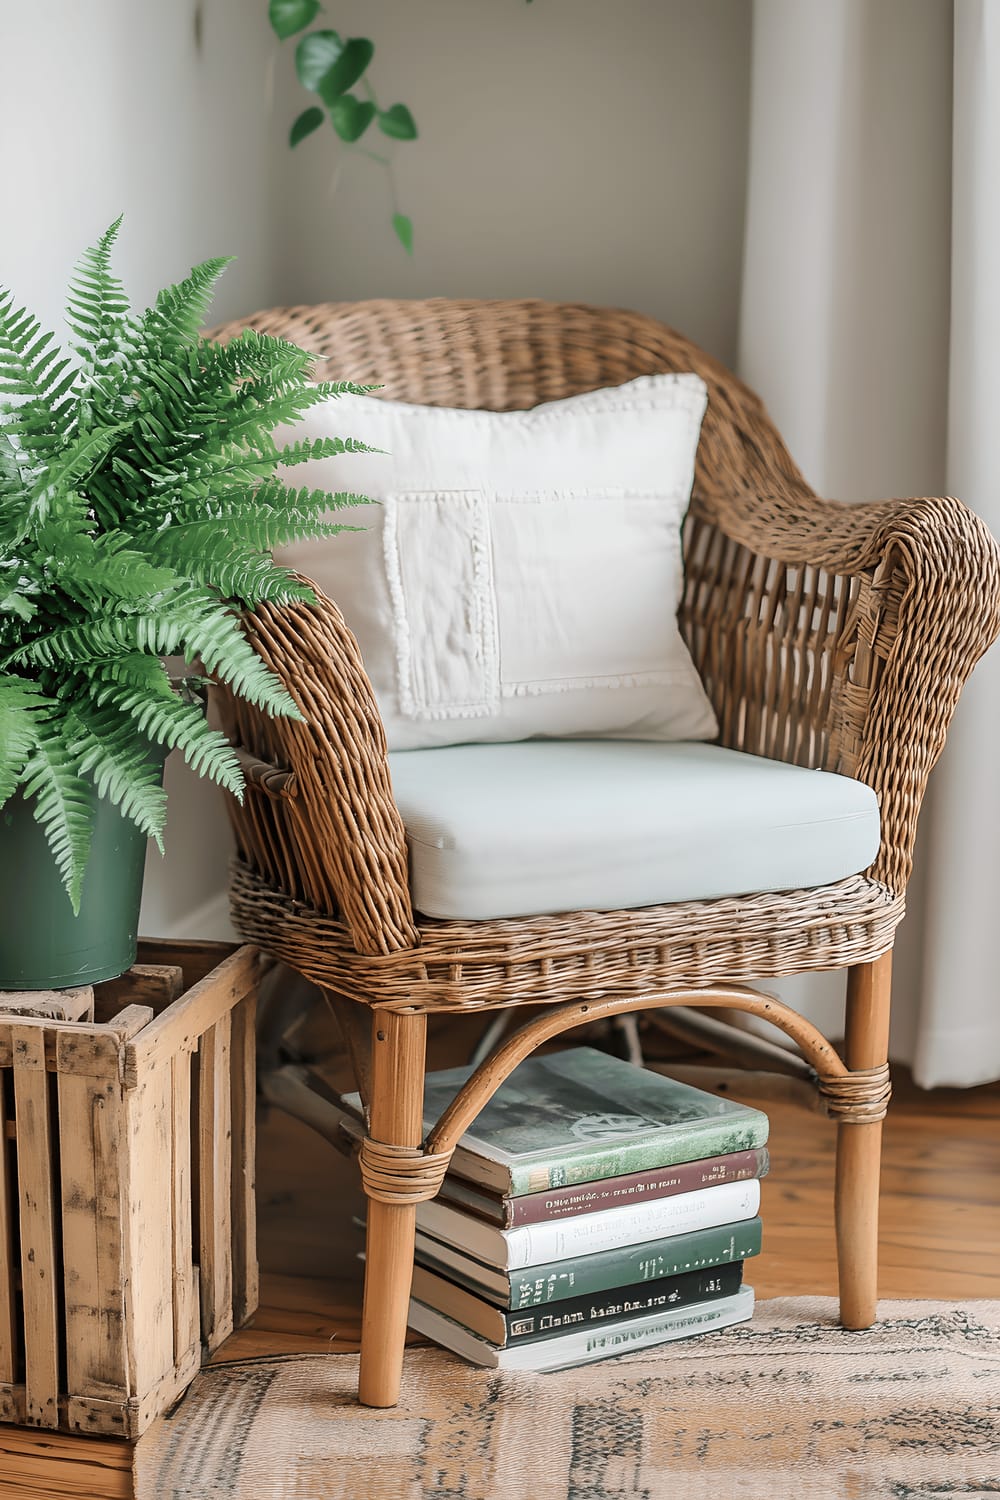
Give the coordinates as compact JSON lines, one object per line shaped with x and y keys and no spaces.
{"x":397,"y":1105}
{"x":859,"y":1147}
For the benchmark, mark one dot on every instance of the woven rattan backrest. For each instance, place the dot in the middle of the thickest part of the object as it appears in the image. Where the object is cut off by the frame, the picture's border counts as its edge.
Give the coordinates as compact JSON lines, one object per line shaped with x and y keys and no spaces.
{"x":507,"y":356}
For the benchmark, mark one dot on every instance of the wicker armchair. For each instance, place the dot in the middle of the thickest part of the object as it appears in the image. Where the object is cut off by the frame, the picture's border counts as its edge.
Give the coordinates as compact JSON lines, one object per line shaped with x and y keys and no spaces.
{"x":826,"y":635}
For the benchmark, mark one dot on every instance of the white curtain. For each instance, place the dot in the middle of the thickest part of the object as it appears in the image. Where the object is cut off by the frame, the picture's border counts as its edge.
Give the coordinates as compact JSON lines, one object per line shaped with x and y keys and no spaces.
{"x":870,"y":325}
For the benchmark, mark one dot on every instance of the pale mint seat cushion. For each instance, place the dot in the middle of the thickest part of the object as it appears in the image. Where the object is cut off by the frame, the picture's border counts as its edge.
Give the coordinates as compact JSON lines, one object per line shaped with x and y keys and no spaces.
{"x":565,"y":825}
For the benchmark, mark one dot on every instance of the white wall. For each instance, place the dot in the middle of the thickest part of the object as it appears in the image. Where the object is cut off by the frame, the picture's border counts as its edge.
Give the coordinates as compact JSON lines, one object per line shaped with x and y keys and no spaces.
{"x":569,"y":149}
{"x":109,"y":106}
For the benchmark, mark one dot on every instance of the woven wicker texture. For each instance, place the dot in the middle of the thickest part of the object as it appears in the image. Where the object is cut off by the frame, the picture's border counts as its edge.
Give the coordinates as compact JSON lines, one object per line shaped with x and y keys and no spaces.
{"x":827,"y":635}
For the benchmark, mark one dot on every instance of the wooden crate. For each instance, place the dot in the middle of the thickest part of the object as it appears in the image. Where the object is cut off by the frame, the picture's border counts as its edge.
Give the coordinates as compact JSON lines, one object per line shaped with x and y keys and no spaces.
{"x":127,"y":1224}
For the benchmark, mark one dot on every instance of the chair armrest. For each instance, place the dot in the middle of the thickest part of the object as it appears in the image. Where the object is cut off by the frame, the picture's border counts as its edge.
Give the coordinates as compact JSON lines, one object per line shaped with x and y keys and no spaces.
{"x":840,"y":636}
{"x":318,"y":819}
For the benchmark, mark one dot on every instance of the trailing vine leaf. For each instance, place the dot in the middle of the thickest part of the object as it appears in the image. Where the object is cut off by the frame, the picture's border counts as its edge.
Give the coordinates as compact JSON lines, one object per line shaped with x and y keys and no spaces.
{"x":351,"y":117}
{"x":344,"y":72}
{"x":315,"y":55}
{"x":289,"y":16}
{"x":404,"y":231}
{"x":308,"y":121}
{"x":398,"y":123}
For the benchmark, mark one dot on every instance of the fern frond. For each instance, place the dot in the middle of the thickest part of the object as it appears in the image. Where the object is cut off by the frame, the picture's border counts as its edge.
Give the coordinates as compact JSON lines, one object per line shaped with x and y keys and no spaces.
{"x":63,"y":805}
{"x":98,"y":307}
{"x":56,"y":490}
{"x":179,"y":311}
{"x":254,"y":413}
{"x":135,"y":688}
{"x":116,"y":574}
{"x":188,"y":622}
{"x":200,"y":474}
{"x":252,"y":356}
{"x":11,"y":481}
{"x":209,"y":544}
{"x":234,"y":567}
{"x":275,"y":495}
{"x":328,"y":388}
{"x":21,"y":701}
{"x":307,"y":449}
{"x":108,"y":752}
{"x":34,"y":373}
{"x":15,"y":495}
{"x":212,"y":634}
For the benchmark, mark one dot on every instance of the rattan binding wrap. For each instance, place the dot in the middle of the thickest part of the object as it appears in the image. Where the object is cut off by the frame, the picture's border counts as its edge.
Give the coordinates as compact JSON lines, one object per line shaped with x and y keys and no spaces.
{"x":826,"y":635}
{"x":858,"y":1098}
{"x":401,"y":1174}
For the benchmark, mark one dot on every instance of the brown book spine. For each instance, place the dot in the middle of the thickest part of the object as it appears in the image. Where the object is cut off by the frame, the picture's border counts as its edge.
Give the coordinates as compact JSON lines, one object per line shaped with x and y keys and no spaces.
{"x":612,"y":1192}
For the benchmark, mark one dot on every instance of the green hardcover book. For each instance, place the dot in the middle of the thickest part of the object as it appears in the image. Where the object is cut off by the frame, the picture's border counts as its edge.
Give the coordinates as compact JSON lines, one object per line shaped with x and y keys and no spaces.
{"x":588,"y":1274}
{"x":582,"y":1116}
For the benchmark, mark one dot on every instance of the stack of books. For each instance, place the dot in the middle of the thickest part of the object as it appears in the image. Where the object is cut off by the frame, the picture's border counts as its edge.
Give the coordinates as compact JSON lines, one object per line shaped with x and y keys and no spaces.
{"x":594,"y":1207}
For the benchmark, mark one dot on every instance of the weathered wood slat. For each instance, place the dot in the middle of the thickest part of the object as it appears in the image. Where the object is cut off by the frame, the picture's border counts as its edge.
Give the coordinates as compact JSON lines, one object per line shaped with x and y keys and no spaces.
{"x":92,"y":1041}
{"x":179,"y":1028}
{"x":157,"y":985}
{"x":91,"y":1123}
{"x":8,"y":1255}
{"x":12,"y":1403}
{"x":149,"y":1244}
{"x":246,"y":1290}
{"x":145,"y":1409}
{"x":35,"y":1176}
{"x":128,"y":1022}
{"x":215,"y":1183}
{"x":185,"y":1289}
{"x":196,"y":957}
{"x":53,"y":1005}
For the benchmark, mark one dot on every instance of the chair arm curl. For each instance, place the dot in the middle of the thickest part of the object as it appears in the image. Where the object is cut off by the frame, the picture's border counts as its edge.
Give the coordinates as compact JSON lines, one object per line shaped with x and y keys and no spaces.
{"x":842,"y":635}
{"x":327,"y":831}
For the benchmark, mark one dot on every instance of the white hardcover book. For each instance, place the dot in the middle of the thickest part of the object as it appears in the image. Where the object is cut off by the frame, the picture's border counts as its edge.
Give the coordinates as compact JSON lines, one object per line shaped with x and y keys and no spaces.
{"x":585,"y":1234}
{"x":581,"y":1347}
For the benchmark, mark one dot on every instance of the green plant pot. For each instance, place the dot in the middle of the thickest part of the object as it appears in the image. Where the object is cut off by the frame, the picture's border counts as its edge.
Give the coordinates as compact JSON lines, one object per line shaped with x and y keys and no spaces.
{"x":42,"y":944}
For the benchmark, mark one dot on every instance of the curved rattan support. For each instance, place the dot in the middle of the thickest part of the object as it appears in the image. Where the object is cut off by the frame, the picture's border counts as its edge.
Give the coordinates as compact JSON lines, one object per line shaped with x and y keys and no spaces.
{"x":861,"y":1096}
{"x":319,"y":820}
{"x":401,"y":1174}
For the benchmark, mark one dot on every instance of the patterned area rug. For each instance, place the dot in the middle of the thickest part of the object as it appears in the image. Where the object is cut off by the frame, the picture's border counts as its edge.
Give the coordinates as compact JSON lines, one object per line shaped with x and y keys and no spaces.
{"x":787,"y":1406}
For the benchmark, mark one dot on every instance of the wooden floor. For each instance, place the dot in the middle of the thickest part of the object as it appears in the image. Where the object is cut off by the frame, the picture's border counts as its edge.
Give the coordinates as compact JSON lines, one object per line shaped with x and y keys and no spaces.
{"x":939,"y":1236}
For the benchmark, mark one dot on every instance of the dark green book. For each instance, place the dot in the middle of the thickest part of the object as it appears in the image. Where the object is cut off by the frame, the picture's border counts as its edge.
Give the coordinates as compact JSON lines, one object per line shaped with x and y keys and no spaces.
{"x":582,"y":1116}
{"x":502,"y":1327}
{"x":587,"y":1274}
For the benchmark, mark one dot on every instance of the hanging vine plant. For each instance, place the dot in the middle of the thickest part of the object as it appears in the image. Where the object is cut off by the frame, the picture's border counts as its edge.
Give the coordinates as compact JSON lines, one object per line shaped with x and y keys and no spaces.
{"x":330,"y":67}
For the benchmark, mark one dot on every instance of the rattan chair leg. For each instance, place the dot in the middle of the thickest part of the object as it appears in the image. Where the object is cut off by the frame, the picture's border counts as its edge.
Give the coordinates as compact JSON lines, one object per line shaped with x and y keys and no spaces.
{"x":399,"y":1044}
{"x":859,"y":1147}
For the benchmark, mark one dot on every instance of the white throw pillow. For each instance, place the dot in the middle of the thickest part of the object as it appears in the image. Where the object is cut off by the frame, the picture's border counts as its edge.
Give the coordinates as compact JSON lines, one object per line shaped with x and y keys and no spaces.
{"x":521,"y":574}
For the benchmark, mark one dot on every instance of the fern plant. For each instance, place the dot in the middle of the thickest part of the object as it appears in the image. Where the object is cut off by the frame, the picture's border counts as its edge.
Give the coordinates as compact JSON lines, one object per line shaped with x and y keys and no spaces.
{"x":139,"y":500}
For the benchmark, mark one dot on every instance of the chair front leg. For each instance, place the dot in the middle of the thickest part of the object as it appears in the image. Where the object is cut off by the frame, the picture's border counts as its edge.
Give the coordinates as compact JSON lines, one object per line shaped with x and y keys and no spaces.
{"x":397,"y":1097}
{"x":859,"y":1147}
